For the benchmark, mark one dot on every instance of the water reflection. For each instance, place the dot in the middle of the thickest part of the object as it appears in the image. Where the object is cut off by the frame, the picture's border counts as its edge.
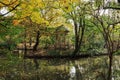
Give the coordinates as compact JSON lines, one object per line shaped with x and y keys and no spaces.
{"x":82,"y":69}
{"x":72,"y":73}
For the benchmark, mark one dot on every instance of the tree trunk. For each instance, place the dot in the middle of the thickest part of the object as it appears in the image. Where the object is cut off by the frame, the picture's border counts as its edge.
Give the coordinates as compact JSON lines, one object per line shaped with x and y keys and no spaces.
{"x":110,"y":66}
{"x":79,"y":34}
{"x":25,"y":46}
{"x":37,"y":41}
{"x":25,"y":49}
{"x":30,"y":41}
{"x":35,"y":49}
{"x":76,"y":51}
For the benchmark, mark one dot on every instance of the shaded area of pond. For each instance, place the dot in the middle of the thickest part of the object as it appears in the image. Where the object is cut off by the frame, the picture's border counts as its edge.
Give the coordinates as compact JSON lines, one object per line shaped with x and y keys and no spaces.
{"x":59,"y":69}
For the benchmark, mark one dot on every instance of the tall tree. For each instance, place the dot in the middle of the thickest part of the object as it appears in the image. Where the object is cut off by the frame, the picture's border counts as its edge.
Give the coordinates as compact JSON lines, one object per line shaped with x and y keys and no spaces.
{"x":76,"y":12}
{"x":106,"y":23}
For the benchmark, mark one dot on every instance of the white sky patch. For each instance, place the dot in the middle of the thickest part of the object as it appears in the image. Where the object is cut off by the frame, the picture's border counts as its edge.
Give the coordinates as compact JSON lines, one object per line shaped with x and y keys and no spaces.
{"x":103,"y":12}
{"x":4,"y":11}
{"x":86,"y":0}
{"x":71,"y":21}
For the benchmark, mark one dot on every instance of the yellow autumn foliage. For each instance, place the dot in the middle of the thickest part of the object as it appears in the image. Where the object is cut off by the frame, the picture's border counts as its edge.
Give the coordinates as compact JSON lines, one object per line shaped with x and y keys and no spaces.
{"x":8,"y":3}
{"x":68,"y":5}
{"x":42,"y":12}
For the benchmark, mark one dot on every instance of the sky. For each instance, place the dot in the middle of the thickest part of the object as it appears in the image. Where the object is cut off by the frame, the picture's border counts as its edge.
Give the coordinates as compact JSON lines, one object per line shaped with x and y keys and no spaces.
{"x":4,"y":10}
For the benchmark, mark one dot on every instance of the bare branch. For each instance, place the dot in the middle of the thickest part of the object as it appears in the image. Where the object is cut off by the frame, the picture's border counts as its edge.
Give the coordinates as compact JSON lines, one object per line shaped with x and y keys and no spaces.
{"x":115,"y":8}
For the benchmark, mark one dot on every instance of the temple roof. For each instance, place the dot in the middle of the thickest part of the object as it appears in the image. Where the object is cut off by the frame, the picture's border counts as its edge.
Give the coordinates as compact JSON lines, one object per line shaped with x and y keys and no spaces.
{"x":62,"y":29}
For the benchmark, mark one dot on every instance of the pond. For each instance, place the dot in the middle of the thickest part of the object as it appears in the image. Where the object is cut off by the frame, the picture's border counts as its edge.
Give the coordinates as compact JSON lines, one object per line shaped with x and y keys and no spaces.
{"x":59,"y":69}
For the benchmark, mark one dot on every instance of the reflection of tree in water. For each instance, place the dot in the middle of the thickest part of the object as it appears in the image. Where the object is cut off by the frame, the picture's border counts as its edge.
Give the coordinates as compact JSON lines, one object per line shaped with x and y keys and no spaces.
{"x":72,"y":73}
{"x":91,"y":69}
{"x":76,"y":72}
{"x":83,"y":69}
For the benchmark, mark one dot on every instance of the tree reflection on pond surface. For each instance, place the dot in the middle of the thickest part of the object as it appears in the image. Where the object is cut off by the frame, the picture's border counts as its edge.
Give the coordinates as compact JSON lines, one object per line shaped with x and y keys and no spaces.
{"x":82,"y":69}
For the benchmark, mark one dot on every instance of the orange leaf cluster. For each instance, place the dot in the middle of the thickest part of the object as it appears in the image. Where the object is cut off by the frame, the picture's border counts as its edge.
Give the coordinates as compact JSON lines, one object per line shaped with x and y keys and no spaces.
{"x":15,"y":22}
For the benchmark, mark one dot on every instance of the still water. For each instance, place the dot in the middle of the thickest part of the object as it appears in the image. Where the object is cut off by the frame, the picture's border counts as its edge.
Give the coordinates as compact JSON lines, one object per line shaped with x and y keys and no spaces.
{"x":61,"y":69}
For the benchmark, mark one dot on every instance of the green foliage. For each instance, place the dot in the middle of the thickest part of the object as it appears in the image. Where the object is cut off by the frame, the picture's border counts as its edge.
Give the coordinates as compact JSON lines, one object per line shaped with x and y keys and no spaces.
{"x":99,"y":3}
{"x":117,"y":52}
{"x":10,"y":36}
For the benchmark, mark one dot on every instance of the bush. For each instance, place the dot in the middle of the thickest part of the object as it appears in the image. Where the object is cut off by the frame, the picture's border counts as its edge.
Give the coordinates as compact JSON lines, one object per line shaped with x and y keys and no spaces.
{"x":3,"y":52}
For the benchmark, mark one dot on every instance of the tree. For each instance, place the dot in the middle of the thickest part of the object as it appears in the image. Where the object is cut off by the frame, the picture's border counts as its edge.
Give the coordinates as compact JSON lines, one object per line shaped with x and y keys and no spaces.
{"x":106,"y":23}
{"x":118,"y":1}
{"x":6,"y":8}
{"x":76,"y":12}
{"x":9,"y":34}
{"x":112,"y":5}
